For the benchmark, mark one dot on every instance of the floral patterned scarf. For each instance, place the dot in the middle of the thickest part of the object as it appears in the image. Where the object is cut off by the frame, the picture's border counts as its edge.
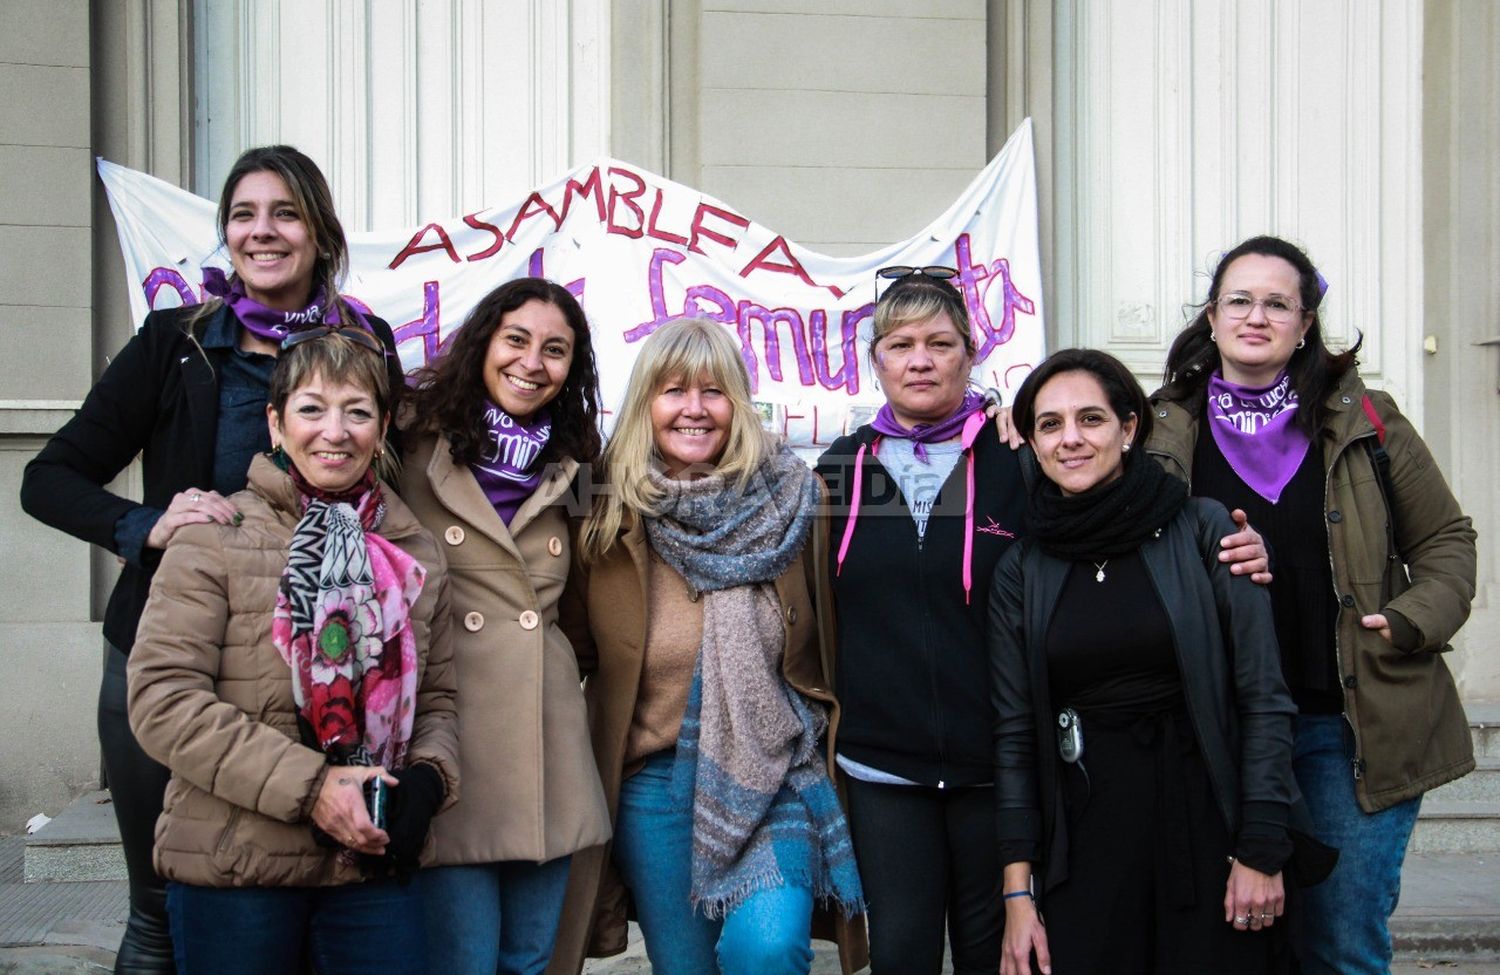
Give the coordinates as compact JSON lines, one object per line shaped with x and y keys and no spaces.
{"x":342,"y":623}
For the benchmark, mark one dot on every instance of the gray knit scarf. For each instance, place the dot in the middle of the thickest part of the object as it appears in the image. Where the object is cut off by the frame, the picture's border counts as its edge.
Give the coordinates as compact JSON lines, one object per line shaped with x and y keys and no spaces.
{"x":765,"y":813}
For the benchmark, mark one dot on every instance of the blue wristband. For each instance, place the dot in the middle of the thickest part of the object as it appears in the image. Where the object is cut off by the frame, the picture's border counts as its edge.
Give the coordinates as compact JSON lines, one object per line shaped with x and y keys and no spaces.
{"x":1016,"y":893}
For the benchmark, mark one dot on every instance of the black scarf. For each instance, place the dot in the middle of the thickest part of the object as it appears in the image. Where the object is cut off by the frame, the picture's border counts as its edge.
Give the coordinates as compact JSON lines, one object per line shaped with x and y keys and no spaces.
{"x":1108,"y":520}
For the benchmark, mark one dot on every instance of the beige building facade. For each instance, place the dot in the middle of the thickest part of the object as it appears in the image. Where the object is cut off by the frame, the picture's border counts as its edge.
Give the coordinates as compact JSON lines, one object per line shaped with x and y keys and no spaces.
{"x":1166,"y":131}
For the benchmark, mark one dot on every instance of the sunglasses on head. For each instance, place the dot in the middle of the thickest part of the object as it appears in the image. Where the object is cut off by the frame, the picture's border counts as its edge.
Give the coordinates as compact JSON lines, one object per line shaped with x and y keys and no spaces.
{"x":895,"y":272}
{"x":351,"y":332}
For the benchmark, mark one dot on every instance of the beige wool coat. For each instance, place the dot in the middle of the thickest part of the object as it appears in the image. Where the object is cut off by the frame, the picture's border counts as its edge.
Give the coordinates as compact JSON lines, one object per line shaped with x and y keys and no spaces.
{"x":612,"y":594}
{"x":531,"y":789}
{"x":211,"y":698}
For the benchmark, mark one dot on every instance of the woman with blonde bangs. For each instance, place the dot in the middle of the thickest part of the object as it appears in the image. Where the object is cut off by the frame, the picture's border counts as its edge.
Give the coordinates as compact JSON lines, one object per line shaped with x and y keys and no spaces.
{"x":707,"y":694}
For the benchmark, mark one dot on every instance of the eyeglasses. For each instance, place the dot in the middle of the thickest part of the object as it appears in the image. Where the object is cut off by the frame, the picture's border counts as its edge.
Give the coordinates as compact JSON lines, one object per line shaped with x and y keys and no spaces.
{"x":352,"y":332}
{"x":894,"y":272}
{"x":1238,"y":306}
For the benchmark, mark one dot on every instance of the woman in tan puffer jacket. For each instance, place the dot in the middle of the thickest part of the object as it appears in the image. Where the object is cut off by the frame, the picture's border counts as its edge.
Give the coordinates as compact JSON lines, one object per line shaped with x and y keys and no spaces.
{"x":287,"y":663}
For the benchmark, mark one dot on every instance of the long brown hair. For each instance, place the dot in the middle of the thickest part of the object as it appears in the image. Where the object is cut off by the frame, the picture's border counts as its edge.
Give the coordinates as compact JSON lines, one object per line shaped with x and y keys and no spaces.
{"x":449,"y":392}
{"x":1313,"y":368}
{"x":314,"y":202}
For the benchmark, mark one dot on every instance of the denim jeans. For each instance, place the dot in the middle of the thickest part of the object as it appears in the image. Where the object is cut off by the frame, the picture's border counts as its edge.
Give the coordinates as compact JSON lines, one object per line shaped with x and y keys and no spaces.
{"x":770,"y":933}
{"x":493,"y":918}
{"x":347,"y":930}
{"x":1345,"y":929}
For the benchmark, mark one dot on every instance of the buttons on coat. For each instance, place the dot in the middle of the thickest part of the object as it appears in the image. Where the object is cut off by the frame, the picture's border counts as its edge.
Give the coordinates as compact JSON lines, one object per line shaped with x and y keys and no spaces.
{"x":1335,"y":517}
{"x":474,"y":622}
{"x":554,"y":546}
{"x":1348,"y":600}
{"x":454,"y":535}
{"x":1350,"y":681}
{"x":528,"y":620}
{"x":791,"y":615}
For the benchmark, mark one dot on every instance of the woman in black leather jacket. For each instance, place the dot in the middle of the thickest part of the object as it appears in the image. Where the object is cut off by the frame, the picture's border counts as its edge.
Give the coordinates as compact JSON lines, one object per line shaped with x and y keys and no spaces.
{"x":1143,"y":731}
{"x":188,"y":393}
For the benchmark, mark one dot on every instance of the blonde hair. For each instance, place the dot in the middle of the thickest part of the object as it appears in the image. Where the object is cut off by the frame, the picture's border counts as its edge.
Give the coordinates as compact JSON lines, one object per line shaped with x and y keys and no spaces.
{"x":686,"y":349}
{"x":917,"y":298}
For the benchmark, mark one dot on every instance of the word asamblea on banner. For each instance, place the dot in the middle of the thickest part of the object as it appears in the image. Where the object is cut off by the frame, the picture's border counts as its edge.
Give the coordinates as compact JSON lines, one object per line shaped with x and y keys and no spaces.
{"x":639,"y":250}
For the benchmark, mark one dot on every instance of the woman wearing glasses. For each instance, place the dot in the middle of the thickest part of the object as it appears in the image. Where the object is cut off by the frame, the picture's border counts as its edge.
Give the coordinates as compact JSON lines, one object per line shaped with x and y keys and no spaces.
{"x":501,"y":424}
{"x":1258,"y":414}
{"x":288,"y":666}
{"x":924,"y":501}
{"x":188,"y":394}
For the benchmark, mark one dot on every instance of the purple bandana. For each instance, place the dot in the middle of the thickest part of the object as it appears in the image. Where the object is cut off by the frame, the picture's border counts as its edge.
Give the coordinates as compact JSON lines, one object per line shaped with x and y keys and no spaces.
{"x":1256,"y":431}
{"x":269,"y":323}
{"x":926,"y":433}
{"x":509,"y":467}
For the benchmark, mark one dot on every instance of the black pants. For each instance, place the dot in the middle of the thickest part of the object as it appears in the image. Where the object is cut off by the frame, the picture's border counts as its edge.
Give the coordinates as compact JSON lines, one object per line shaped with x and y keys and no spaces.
{"x":136,"y":786}
{"x":928,"y":858}
{"x":1147,"y":861}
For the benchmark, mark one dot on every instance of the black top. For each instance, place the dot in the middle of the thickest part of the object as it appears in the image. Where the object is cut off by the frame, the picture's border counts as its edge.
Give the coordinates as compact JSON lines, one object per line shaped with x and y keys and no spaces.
{"x":911,"y":670}
{"x":1110,"y":644}
{"x":1302,"y":596}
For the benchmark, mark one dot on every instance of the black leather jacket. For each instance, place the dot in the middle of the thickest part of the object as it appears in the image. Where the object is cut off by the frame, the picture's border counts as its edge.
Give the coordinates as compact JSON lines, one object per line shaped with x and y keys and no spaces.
{"x":1226,"y":649}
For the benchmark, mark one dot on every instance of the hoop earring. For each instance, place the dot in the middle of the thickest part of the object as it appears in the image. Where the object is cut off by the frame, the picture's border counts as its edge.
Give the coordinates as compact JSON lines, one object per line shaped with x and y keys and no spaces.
{"x":1124,"y":448}
{"x":1302,"y":342}
{"x":1212,"y":337}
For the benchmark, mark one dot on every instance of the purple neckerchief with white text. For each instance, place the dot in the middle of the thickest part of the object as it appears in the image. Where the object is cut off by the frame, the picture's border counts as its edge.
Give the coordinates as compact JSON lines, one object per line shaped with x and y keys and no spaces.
{"x":270,"y":323}
{"x":1256,"y":430}
{"x":509,"y":466}
{"x":923,"y":434}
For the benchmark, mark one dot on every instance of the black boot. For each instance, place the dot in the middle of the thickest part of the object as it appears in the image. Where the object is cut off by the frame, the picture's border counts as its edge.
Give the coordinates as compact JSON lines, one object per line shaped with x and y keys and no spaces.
{"x":136,"y":785}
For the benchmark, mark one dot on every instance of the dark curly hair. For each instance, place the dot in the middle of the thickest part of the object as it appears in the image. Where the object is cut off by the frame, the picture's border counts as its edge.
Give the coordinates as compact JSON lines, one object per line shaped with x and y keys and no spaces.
{"x":449,"y":392}
{"x":1313,"y":368}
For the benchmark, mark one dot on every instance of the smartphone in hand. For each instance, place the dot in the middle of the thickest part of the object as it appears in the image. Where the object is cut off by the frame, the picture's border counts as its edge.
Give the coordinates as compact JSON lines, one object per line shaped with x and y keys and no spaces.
{"x":376,"y":795}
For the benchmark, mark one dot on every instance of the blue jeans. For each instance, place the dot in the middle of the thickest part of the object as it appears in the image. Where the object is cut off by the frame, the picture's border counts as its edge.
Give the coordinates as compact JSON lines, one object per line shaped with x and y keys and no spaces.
{"x":1345,"y":929}
{"x":493,"y":918}
{"x":347,"y":930}
{"x":770,"y":933}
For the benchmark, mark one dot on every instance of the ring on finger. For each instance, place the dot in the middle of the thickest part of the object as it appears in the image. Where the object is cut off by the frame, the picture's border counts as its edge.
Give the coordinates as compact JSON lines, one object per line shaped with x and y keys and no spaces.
{"x":195,"y":497}
{"x":1242,"y":919}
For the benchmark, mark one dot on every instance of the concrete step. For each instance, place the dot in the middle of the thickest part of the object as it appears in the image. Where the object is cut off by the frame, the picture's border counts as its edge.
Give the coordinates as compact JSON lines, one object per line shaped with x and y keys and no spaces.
{"x":1484,"y":727}
{"x":81,"y":844}
{"x":1457,"y":827}
{"x":1449,"y":909}
{"x":1480,"y":785}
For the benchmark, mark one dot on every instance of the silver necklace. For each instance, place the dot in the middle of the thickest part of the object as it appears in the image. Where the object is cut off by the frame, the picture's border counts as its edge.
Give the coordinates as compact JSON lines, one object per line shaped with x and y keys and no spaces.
{"x":1099,"y":576}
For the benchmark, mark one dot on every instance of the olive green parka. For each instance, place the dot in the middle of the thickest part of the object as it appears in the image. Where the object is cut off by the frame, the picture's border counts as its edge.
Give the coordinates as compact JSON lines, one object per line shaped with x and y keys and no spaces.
{"x":1410,"y":731}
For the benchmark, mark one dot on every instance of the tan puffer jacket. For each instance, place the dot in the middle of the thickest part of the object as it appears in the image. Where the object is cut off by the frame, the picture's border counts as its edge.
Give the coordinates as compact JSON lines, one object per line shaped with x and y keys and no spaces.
{"x":211,"y":698}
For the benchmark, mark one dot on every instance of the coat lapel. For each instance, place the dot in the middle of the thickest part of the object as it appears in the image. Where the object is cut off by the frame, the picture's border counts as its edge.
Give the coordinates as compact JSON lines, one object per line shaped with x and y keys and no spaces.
{"x":200,"y":383}
{"x":456,"y":489}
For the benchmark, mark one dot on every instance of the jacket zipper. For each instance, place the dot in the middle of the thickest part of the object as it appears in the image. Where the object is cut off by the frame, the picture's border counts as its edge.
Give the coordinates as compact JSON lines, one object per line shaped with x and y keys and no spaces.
{"x":1357,"y":764}
{"x":931,"y":656}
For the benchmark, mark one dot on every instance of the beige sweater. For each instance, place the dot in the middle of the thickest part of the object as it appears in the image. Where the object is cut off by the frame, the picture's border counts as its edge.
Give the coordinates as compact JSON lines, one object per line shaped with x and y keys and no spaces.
{"x":674,"y":632}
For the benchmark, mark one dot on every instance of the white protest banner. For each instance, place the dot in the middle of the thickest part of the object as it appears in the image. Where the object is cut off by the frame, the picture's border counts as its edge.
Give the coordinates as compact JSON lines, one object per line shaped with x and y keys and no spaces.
{"x":639,"y":250}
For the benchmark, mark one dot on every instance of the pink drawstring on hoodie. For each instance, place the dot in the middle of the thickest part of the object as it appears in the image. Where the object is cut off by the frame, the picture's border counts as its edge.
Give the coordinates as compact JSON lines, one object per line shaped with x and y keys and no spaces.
{"x":975,"y":423}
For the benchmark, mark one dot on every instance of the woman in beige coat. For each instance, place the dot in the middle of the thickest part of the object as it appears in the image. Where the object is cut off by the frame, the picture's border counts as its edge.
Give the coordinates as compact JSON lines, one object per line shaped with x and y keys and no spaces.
{"x":287,"y":664}
{"x":500,"y":425}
